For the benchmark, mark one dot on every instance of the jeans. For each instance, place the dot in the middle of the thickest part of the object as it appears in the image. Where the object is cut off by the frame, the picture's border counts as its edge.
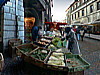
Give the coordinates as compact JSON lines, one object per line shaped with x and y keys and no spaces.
{"x":78,"y":36}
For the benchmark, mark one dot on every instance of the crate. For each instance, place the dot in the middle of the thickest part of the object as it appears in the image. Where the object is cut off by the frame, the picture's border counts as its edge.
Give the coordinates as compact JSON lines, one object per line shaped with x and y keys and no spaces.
{"x":21,"y":53}
{"x":38,"y":62}
{"x":41,"y":45}
{"x":76,"y":64}
{"x":1,"y":62}
{"x":12,"y":44}
{"x":56,"y":67}
{"x":47,"y":37}
{"x":15,"y":42}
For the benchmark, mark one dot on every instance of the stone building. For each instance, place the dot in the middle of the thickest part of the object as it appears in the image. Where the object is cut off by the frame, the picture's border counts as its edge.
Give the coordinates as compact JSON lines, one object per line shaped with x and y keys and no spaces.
{"x":13,"y":14}
{"x":12,"y":21}
{"x":86,"y":12}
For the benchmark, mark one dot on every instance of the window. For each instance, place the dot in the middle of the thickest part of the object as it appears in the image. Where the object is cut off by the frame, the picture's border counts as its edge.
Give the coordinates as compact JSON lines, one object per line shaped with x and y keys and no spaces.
{"x":98,"y":5}
{"x":75,"y":15}
{"x":78,"y":14}
{"x":83,"y":12}
{"x":91,"y":8}
{"x":76,"y":5}
{"x":72,"y":16}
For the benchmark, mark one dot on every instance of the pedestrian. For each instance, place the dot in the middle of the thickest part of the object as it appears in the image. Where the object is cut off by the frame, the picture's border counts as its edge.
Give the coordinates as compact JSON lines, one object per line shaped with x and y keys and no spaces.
{"x":85,"y":30}
{"x":82,"y":33}
{"x":35,"y":32}
{"x":74,"y":29}
{"x":78,"y":33}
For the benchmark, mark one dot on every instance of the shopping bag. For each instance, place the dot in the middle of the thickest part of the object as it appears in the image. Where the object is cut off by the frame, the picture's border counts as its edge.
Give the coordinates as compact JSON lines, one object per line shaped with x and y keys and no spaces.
{"x":64,"y":43}
{"x":59,"y":44}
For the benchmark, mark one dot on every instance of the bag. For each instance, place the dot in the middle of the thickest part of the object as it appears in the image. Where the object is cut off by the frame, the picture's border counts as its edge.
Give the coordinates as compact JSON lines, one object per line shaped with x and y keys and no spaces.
{"x":59,"y":44}
{"x":64,"y":43}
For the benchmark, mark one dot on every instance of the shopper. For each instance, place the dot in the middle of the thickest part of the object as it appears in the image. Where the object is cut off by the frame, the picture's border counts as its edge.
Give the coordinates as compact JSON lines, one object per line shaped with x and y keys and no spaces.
{"x":35,"y":32}
{"x":82,"y":33}
{"x":74,"y":29}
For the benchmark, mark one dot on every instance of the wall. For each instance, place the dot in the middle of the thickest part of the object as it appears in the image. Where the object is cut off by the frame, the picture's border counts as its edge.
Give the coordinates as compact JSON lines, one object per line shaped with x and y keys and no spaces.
{"x":9,"y":21}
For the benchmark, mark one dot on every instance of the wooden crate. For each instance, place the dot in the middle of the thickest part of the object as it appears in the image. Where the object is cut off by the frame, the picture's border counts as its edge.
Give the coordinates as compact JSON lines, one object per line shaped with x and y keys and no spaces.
{"x":55,"y":67}
{"x":1,"y":62}
{"x":38,"y":62}
{"x":12,"y":44}
{"x":24,"y":55}
{"x":15,"y":42}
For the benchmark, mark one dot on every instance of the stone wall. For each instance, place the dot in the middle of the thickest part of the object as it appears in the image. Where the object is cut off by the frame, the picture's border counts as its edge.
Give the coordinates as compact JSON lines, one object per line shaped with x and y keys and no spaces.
{"x":9,"y":21}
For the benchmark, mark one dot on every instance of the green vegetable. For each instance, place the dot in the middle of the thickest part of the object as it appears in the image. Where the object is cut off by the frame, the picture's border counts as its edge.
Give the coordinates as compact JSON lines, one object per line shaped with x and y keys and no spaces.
{"x":39,"y":54}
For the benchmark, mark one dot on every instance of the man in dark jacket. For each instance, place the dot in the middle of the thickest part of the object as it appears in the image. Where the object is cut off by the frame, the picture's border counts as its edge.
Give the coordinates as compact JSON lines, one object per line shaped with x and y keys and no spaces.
{"x":35,"y":34}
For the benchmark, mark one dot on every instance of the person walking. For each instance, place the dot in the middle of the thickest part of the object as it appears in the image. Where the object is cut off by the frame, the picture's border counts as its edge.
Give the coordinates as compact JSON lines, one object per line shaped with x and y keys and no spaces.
{"x":82,"y":33}
{"x":78,"y":33}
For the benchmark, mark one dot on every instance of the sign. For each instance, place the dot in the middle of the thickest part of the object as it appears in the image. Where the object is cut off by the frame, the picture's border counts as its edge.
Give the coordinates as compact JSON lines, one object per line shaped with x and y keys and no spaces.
{"x":2,"y":2}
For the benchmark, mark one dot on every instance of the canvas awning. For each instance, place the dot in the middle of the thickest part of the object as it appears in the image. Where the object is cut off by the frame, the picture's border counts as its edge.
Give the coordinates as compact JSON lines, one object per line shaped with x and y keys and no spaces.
{"x":2,"y":2}
{"x":58,"y":23}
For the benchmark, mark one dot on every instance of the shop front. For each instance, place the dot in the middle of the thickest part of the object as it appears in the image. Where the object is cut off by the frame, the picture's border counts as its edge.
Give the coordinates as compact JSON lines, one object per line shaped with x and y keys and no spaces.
{"x":34,"y":14}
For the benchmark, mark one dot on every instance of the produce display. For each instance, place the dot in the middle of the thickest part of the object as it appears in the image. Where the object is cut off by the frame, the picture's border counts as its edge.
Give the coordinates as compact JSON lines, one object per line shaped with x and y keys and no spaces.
{"x":43,"y":43}
{"x":40,"y":54}
{"x":48,"y":37}
{"x":55,"y":41}
{"x":56,"y":59}
{"x":59,"y":50}
{"x":45,"y":40}
{"x":52,"y":47}
{"x":26,"y":49}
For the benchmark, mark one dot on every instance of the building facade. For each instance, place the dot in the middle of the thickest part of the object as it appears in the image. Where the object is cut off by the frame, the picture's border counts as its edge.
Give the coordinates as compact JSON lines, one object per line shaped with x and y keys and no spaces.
{"x":85,"y":12}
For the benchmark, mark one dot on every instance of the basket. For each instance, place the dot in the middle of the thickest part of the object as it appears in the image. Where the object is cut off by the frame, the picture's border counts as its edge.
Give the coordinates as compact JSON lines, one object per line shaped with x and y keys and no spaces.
{"x":12,"y":44}
{"x":56,"y":67}
{"x":1,"y":62}
{"x":39,"y":62}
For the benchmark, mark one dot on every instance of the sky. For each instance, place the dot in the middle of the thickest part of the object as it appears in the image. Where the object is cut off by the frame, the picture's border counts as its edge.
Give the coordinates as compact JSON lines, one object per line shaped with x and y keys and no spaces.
{"x":59,"y":8}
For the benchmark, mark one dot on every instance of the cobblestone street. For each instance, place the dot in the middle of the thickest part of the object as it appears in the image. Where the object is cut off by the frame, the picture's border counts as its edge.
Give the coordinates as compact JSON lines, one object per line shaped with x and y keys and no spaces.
{"x":90,"y":50}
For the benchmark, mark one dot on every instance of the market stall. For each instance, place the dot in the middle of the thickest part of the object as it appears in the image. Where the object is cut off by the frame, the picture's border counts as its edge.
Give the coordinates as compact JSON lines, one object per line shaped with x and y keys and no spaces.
{"x":52,"y":60}
{"x":50,"y":53}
